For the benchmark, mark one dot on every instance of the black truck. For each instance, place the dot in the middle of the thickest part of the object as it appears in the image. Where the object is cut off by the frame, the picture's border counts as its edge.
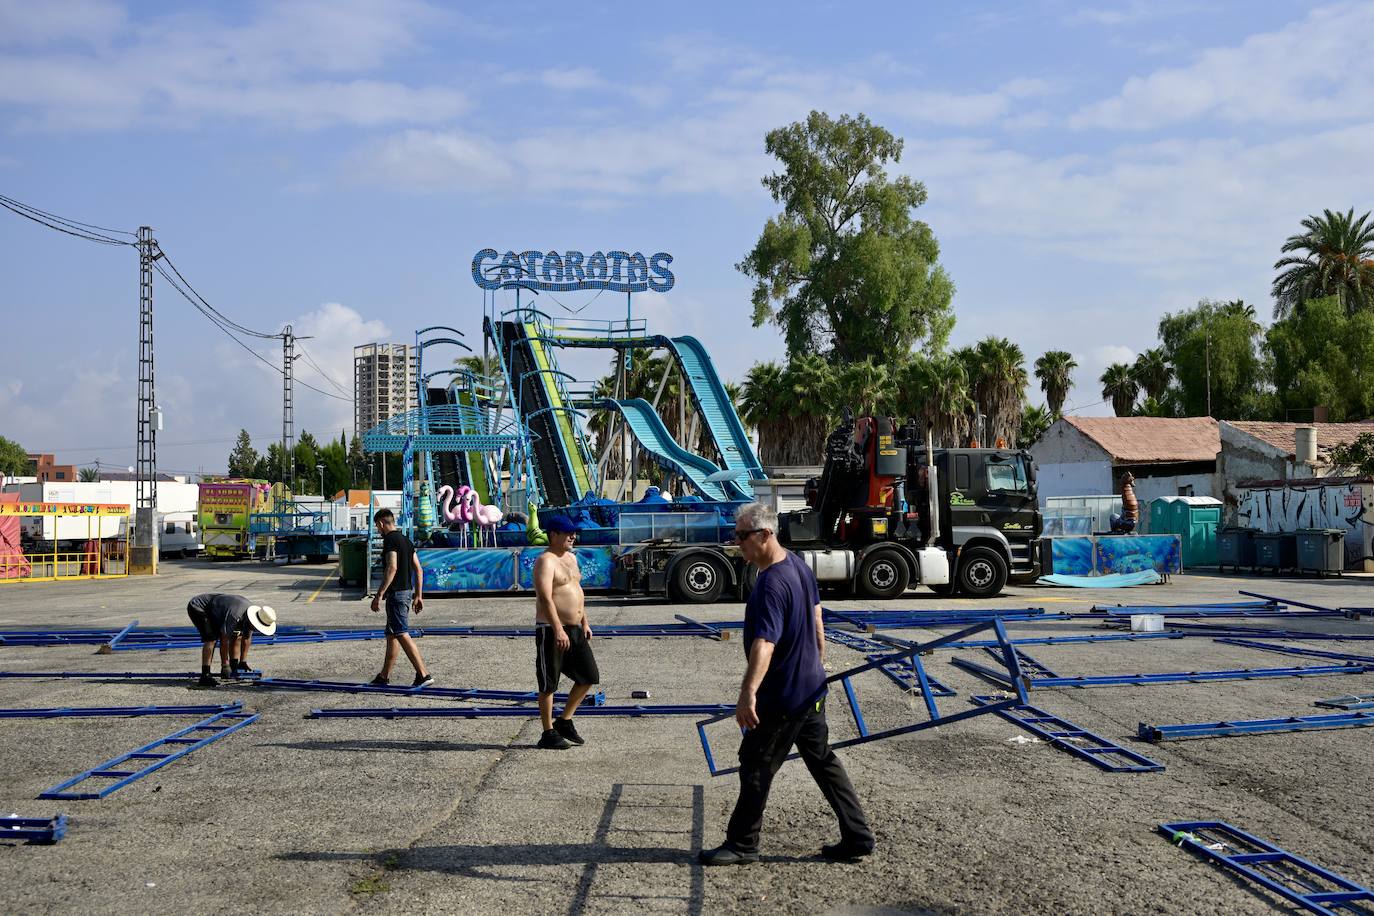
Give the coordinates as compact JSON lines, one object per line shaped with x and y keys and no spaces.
{"x":888,"y":512}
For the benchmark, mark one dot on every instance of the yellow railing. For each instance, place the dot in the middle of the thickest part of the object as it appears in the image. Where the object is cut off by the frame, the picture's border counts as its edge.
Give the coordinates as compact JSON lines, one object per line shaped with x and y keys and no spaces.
{"x":61,"y":552}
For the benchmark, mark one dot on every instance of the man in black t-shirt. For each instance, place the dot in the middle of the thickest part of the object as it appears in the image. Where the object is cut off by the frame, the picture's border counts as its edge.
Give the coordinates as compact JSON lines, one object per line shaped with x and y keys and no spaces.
{"x":229,"y":620}
{"x":782,"y":698}
{"x":403,"y":584}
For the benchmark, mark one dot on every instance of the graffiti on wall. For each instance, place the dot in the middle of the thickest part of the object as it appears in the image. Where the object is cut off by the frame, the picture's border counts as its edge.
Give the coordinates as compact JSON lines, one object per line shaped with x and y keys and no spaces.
{"x":1340,"y":507}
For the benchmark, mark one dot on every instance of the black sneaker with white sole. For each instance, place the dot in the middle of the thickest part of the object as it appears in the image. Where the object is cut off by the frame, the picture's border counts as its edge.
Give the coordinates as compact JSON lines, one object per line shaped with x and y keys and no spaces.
{"x":379,"y":681}
{"x":566,"y":728}
{"x":207,"y":681}
{"x":551,"y":740}
{"x":423,"y":680}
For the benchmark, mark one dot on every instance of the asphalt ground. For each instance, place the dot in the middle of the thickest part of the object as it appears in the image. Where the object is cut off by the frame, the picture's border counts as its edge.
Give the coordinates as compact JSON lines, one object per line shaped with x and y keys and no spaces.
{"x":293,"y":815}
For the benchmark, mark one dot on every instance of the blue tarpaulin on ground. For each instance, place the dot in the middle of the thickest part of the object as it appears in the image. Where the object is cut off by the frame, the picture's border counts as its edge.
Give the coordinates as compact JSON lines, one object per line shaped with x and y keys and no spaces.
{"x":1114,"y":580}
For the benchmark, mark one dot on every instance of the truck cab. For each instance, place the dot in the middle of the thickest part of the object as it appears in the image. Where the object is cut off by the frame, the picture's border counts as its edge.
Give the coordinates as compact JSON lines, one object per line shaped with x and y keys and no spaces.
{"x":988,"y":505}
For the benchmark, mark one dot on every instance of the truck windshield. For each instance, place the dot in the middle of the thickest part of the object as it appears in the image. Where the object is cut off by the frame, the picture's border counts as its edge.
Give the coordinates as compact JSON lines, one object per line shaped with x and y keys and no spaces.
{"x":1007,"y":476}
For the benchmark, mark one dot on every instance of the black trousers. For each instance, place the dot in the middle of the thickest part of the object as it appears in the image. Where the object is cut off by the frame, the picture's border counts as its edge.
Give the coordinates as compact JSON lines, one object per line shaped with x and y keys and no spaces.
{"x":763,"y":750}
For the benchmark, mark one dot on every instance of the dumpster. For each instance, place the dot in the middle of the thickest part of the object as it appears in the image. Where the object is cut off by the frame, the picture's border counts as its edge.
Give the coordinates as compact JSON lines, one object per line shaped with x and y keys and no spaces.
{"x":352,"y":561}
{"x":1236,"y":548}
{"x":1321,"y":550}
{"x":1276,"y":551}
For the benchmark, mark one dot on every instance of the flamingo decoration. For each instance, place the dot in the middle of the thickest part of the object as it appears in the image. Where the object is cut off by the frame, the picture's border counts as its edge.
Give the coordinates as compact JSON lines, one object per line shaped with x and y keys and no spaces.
{"x":486,"y":517}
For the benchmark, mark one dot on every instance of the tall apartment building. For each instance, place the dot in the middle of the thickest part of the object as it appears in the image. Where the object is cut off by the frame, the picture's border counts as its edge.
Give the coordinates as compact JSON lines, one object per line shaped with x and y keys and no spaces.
{"x":383,"y":383}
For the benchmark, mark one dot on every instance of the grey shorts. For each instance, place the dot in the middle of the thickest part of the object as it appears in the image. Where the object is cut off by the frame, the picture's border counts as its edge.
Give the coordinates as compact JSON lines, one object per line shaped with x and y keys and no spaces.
{"x":398,"y":612}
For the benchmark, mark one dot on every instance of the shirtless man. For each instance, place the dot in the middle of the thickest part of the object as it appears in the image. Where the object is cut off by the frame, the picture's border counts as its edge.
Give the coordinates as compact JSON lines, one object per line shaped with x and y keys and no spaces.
{"x":561,"y":634}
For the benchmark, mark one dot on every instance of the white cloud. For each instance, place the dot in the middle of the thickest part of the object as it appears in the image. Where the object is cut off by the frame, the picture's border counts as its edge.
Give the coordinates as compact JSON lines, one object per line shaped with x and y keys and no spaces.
{"x":1299,"y":74}
{"x":285,"y":66}
{"x":23,"y":22}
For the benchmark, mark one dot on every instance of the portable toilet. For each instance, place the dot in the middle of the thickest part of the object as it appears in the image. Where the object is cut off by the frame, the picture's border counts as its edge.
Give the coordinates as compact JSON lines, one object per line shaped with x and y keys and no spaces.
{"x":1196,"y":520}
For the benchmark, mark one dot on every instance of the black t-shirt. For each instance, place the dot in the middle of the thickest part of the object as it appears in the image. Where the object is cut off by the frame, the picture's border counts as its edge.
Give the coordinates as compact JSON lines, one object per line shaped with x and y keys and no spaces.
{"x":227,"y":612}
{"x":782,"y":610}
{"x":397,"y":543}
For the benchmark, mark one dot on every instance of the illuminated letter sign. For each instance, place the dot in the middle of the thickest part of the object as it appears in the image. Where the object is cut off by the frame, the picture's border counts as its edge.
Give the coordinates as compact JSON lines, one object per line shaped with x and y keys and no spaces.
{"x":619,"y":271}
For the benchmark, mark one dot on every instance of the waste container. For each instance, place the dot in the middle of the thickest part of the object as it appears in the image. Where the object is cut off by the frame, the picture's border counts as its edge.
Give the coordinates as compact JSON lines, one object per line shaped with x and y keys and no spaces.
{"x":1321,"y":550}
{"x":1236,"y":548}
{"x":352,"y":561}
{"x":1276,"y":551}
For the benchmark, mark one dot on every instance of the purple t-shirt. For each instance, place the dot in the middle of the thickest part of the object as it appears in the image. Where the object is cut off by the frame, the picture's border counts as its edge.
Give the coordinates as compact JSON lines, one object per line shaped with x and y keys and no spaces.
{"x":781,"y":610}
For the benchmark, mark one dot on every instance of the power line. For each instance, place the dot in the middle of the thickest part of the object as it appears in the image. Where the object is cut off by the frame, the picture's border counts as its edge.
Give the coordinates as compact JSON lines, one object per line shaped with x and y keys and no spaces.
{"x":64,"y":225}
{"x":326,"y":375}
{"x":220,"y":315}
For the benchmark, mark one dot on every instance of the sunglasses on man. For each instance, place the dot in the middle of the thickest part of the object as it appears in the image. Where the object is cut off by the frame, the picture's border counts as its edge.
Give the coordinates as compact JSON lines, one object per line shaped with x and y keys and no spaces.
{"x":742,"y":536}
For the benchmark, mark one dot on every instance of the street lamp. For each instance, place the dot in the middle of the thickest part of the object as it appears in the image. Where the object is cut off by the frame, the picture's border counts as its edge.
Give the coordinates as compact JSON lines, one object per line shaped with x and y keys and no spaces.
{"x":320,"y":467}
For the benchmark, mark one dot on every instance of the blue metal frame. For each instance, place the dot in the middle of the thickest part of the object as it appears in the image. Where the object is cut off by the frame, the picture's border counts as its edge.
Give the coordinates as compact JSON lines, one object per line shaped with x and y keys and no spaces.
{"x":517,"y":712}
{"x":1013,"y":667}
{"x":1063,"y":734}
{"x":110,"y":675}
{"x":1034,"y":669}
{"x":182,"y":739}
{"x":1047,"y":640}
{"x":907,"y":673}
{"x":1173,"y":677}
{"x":1293,"y":650}
{"x":1254,"y":726}
{"x":1261,"y":864}
{"x":63,"y":712}
{"x":458,"y":693}
{"x":115,"y":640}
{"x":47,"y":830}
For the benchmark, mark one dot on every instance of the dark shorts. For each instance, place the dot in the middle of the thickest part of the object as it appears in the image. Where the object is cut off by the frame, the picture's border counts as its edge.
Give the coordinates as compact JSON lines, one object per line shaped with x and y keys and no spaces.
{"x":203,"y":624}
{"x":576,"y":662}
{"x":398,"y":612}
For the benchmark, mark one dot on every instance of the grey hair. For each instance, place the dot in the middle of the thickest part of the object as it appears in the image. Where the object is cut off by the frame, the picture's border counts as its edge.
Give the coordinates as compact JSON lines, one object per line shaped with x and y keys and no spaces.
{"x":757,"y":515}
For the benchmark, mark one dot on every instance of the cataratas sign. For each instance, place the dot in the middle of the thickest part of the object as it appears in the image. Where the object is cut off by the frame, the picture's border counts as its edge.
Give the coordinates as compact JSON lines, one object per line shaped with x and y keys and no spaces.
{"x":619,"y":271}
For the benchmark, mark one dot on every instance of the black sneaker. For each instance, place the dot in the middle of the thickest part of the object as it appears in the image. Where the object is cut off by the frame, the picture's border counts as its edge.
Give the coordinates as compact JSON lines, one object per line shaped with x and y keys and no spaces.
{"x":726,"y":855}
{"x":846,"y":852}
{"x":379,"y":681}
{"x":566,"y":728}
{"x":423,"y":680}
{"x":226,"y":672}
{"x":551,"y":740}
{"x":207,"y":681}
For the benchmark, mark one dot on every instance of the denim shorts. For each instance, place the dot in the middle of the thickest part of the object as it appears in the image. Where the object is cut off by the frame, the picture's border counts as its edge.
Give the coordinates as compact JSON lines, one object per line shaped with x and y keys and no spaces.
{"x":398,"y":612}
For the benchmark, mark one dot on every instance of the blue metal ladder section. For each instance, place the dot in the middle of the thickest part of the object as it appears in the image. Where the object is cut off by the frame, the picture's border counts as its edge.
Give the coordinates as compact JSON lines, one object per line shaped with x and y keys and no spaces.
{"x":65,"y":712}
{"x":907,"y":673}
{"x":722,"y":421}
{"x":1255,"y":726}
{"x":457,"y":693}
{"x":34,"y":829}
{"x":153,"y":756}
{"x":1066,"y":736}
{"x":1297,"y":880}
{"x":655,"y":439}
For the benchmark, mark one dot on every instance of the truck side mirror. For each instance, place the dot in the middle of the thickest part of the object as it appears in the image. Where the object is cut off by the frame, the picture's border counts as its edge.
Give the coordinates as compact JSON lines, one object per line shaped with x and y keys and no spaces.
{"x":1030,"y":472}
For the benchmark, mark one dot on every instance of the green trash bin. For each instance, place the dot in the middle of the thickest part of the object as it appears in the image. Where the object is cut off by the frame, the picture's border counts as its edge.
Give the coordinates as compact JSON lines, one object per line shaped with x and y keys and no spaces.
{"x":352,"y":561}
{"x":1321,"y":550}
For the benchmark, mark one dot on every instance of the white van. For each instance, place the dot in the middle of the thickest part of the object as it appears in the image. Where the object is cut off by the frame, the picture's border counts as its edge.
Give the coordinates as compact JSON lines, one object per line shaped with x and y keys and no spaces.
{"x":179,"y":535}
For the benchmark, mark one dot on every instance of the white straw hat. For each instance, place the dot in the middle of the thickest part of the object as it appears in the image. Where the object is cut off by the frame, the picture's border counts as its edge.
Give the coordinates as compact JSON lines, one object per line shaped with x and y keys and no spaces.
{"x":263,"y":619}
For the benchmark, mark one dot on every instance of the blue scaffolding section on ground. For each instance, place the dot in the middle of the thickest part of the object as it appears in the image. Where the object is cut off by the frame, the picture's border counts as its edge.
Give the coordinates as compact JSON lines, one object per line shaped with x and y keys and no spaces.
{"x":457,"y":693}
{"x":1297,"y":880}
{"x":1255,"y":726}
{"x":1064,"y":735}
{"x":153,"y":756}
{"x":42,"y":830}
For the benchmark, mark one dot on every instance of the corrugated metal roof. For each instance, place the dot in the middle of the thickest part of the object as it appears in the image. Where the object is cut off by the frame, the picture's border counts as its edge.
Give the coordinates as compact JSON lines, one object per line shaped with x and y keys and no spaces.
{"x":1152,"y":440}
{"x":1282,"y":437}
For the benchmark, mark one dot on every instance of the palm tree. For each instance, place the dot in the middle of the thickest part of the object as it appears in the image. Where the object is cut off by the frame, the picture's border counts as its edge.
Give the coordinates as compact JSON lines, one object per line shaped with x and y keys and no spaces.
{"x":866,"y":387}
{"x":1337,"y":260}
{"x":1055,"y":371}
{"x":1119,"y":384}
{"x":999,"y":383}
{"x":812,"y":407}
{"x":933,"y":389}
{"x":88,"y":475}
{"x":1034,"y":422}
{"x":762,"y":406}
{"x":1152,"y":373}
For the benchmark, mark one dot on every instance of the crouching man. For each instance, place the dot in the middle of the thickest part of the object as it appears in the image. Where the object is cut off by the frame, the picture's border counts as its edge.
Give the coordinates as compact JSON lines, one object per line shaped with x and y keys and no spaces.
{"x":229,"y":620}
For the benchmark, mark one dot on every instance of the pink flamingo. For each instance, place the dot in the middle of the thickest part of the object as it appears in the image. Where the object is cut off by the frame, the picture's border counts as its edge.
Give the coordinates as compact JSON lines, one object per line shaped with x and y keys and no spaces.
{"x":453,"y":513}
{"x":486,"y":517}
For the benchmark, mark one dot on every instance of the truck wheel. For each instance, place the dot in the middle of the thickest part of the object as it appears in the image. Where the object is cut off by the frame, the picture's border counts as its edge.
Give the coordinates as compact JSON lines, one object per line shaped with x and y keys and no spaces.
{"x":698,"y":580}
{"x":882,"y":574}
{"x":982,"y":572}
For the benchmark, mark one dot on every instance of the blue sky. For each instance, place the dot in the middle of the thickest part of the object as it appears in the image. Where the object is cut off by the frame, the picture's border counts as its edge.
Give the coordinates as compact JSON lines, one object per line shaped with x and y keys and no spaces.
{"x":335,"y":165}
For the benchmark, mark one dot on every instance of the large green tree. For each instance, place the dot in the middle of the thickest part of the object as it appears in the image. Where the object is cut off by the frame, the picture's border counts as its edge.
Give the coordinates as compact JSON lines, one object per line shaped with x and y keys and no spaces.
{"x":1054,"y":369}
{"x":1216,"y":347}
{"x":1324,"y":357}
{"x":997,"y":382}
{"x":844,"y":269}
{"x":243,"y":460}
{"x":14,"y":461}
{"x":1336,"y":259}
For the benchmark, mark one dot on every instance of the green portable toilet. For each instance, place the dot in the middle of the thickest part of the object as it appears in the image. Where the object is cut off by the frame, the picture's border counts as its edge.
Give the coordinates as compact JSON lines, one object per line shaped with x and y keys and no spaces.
{"x":1159,"y":518}
{"x":1196,"y":519}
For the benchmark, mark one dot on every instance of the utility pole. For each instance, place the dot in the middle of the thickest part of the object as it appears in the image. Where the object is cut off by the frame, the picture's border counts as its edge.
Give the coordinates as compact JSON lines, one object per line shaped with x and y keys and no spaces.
{"x":1207,"y":338}
{"x":288,"y":419}
{"x":142,"y":559}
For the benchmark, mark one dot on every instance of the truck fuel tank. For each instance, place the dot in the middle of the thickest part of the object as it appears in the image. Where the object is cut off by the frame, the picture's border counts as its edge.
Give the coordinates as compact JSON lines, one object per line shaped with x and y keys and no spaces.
{"x":934,"y":563}
{"x":830,"y":565}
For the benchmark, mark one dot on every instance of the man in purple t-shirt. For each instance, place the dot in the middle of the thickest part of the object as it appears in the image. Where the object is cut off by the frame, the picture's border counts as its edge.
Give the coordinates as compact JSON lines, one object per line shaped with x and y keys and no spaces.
{"x":782,"y":697}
